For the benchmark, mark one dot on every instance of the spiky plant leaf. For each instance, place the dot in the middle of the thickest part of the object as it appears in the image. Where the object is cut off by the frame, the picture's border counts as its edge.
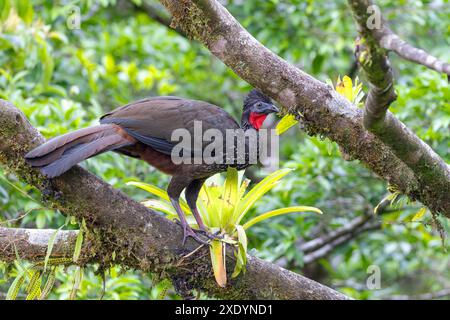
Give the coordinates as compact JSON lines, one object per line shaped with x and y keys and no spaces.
{"x":241,"y":256}
{"x":211,"y":197}
{"x":257,"y":192}
{"x":203,"y":210}
{"x":33,"y":275}
{"x":230,"y":195}
{"x":390,"y":197}
{"x":162,"y":206}
{"x":78,"y":277}
{"x":217,"y":251}
{"x":50,"y":245}
{"x":243,"y":188}
{"x":159,"y":193}
{"x":278,"y":212}
{"x":78,"y":244}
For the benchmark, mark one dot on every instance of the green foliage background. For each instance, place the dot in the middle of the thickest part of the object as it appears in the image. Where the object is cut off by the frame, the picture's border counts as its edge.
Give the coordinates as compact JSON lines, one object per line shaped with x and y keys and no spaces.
{"x":65,"y":79}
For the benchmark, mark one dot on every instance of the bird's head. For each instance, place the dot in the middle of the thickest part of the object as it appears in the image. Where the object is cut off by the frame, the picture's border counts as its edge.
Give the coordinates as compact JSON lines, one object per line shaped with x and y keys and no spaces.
{"x":256,"y":108}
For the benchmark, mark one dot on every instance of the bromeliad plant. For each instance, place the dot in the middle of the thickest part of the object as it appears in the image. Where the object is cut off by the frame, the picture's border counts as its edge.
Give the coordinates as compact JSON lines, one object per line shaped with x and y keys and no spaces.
{"x":223,"y":208}
{"x":352,"y":91}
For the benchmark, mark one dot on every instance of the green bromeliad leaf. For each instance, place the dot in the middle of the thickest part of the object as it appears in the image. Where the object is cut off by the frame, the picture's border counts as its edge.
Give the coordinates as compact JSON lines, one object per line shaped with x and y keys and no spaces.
{"x":211,"y":196}
{"x":278,"y":212}
{"x":160,"y":205}
{"x":257,"y":192}
{"x":217,"y":251}
{"x":230,"y":195}
{"x":159,"y":193}
{"x":78,"y":244}
{"x":241,"y":257}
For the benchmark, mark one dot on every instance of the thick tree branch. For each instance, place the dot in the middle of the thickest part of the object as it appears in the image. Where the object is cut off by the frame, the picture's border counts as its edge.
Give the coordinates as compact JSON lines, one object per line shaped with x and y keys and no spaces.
{"x":322,"y":110}
{"x":32,"y":244}
{"x":139,"y":237}
{"x":428,"y":167}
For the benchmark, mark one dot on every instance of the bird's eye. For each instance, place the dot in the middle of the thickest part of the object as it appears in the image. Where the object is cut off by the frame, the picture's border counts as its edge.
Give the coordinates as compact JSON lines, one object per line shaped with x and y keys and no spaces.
{"x":259,"y":104}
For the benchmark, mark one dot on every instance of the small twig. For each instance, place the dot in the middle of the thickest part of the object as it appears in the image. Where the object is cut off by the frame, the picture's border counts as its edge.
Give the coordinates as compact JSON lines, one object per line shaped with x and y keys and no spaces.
{"x":192,"y":252}
{"x":21,"y":216}
{"x":391,"y":41}
{"x":181,"y":261}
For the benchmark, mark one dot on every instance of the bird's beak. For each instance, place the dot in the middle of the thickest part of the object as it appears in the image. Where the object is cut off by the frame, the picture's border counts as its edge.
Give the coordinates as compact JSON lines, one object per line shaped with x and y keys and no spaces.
{"x":269,"y":108}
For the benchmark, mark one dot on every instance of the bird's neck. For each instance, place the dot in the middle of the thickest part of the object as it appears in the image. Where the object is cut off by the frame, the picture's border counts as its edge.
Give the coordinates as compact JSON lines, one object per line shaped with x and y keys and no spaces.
{"x":252,"y":120}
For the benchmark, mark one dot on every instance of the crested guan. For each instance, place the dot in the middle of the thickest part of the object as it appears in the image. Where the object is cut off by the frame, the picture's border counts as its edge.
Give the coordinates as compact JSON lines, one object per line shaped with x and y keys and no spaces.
{"x":143,"y":130}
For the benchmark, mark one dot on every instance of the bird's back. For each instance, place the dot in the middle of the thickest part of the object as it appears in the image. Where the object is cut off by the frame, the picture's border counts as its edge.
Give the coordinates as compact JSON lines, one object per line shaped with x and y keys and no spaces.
{"x":159,"y":116}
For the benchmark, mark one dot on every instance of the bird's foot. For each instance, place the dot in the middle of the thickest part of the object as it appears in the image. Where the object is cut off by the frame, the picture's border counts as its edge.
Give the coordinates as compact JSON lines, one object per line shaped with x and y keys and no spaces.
{"x":189,"y":232}
{"x":193,"y":233}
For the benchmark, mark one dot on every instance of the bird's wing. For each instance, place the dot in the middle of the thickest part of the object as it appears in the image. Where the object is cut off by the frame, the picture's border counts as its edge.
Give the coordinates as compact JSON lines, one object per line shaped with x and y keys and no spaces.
{"x":153,"y":120}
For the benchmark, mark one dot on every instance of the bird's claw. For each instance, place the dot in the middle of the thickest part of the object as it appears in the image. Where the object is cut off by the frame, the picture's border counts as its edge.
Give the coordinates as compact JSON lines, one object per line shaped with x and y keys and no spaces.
{"x":189,"y":232}
{"x":193,"y":233}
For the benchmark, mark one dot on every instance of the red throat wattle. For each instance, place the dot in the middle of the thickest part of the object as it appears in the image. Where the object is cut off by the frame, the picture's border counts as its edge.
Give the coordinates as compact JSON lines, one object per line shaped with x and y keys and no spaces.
{"x":257,"y":119}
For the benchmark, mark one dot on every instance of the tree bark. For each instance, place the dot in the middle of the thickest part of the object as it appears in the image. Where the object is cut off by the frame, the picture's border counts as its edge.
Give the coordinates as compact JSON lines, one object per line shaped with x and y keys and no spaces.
{"x":124,"y":232}
{"x":32,"y":244}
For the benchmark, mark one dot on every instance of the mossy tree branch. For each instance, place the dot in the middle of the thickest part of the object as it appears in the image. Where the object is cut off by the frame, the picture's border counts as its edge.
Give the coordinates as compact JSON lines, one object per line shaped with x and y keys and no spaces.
{"x":322,"y":111}
{"x":430,"y":170}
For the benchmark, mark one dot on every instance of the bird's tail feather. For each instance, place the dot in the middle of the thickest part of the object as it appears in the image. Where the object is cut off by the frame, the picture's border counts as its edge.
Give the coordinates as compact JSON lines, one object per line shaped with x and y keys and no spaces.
{"x":59,"y":154}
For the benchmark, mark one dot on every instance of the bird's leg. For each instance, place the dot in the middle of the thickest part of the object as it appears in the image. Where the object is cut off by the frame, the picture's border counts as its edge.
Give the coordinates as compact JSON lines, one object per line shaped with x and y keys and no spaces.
{"x":176,"y":185}
{"x":192,"y":192}
{"x":202,"y":227}
{"x":187,"y":230}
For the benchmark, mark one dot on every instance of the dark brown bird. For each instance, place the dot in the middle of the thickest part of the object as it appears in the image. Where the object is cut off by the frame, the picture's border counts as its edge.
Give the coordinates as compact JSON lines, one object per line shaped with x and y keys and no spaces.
{"x":143,"y":130}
